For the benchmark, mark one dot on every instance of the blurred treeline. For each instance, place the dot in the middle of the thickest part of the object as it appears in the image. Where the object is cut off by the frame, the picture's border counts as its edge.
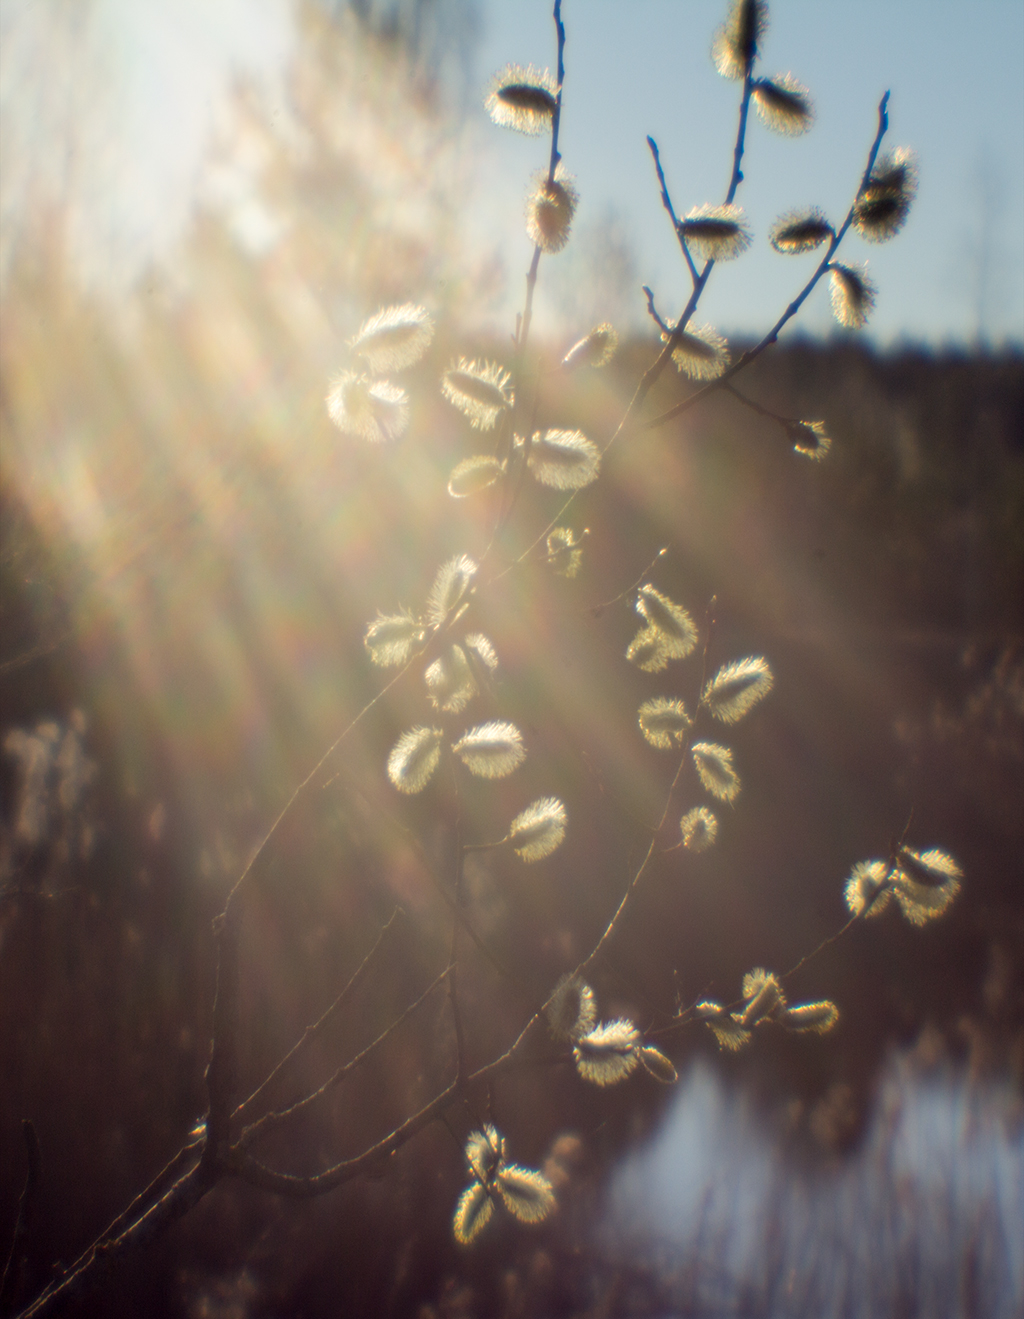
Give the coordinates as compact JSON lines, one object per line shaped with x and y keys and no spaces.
{"x":190,"y":555}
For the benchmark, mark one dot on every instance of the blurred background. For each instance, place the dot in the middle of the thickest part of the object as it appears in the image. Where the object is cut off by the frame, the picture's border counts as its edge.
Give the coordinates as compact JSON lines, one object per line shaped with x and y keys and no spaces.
{"x":199,"y":208}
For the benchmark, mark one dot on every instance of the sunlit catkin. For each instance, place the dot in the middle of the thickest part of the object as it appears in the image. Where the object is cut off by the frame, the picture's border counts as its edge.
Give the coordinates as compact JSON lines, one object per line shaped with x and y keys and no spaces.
{"x":762,"y":997}
{"x":550,"y":208}
{"x":484,"y":1151}
{"x":414,"y":758}
{"x":783,"y":104}
{"x":482,"y":656}
{"x":675,"y":627}
{"x":472,"y":1213}
{"x":853,"y":295}
{"x":395,"y":338}
{"x":450,"y":681}
{"x":664,"y":721}
{"x":450,"y":586}
{"x":700,"y":352}
{"x":716,"y":233}
{"x":728,"y":1031}
{"x":736,"y":688}
{"x":523,"y":99}
{"x":736,"y":42}
{"x":925,"y":883}
{"x":491,"y":750}
{"x":473,"y":475}
{"x":596,"y":349}
{"x":565,"y":554}
{"x":868,"y":890}
{"x":647,"y":651}
{"x":480,"y":390}
{"x":800,"y":231}
{"x":818,"y":1017}
{"x":609,"y":1053}
{"x":714,"y":769}
{"x":699,"y":829}
{"x":525,"y":1193}
{"x":572,"y":1009}
{"x":883,"y":205}
{"x":809,"y":438}
{"x":393,"y":638}
{"x":373,"y":410}
{"x":536,"y":832}
{"x":564,"y":460}
{"x":657,"y":1065}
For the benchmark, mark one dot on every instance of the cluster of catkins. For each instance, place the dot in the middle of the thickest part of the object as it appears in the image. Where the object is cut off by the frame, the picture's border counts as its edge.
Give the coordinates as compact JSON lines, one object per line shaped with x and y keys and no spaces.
{"x":460,"y":661}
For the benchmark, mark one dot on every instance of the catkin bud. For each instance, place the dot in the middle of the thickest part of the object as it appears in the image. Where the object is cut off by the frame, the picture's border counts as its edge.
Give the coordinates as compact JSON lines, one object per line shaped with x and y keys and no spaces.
{"x":809,"y":438}
{"x":868,"y":889}
{"x":373,"y":410}
{"x":716,"y":233}
{"x":395,"y":338}
{"x":664,"y":721}
{"x":549,"y":210}
{"x":609,"y":1053}
{"x":414,"y":758}
{"x":450,"y":585}
{"x":783,"y":104}
{"x":925,"y":883}
{"x":700,"y":353}
{"x":714,"y":769}
{"x":523,"y":99}
{"x":699,"y":829}
{"x":479,"y":390}
{"x":564,"y":552}
{"x":881,"y":210}
{"x":736,"y":42}
{"x":492,"y":750}
{"x":536,"y":832}
{"x":572,"y":1010}
{"x":799,"y":231}
{"x":596,"y":349}
{"x":473,"y":475}
{"x":675,"y":627}
{"x":564,"y":460}
{"x":853,"y":296}
{"x":737,"y":688}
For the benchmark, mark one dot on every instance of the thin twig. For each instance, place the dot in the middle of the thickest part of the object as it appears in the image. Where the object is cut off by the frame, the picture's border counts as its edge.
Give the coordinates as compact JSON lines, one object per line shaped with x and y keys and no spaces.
{"x":270,"y":1121}
{"x":524,"y":322}
{"x":742,"y":362}
{"x":666,"y":201}
{"x":104,"y":1255}
{"x":453,"y":957}
{"x":741,"y":134}
{"x":317,"y":1028}
{"x":595,"y":610}
{"x":653,"y":311}
{"x":19,"y":1241}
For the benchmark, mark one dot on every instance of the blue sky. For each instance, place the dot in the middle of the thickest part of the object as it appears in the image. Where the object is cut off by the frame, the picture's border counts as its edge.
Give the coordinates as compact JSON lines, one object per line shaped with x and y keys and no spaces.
{"x":956,"y":73}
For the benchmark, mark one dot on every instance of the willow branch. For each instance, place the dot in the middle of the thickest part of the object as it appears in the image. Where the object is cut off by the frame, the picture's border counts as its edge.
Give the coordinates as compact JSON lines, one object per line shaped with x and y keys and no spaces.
{"x":666,"y":201}
{"x":742,"y":362}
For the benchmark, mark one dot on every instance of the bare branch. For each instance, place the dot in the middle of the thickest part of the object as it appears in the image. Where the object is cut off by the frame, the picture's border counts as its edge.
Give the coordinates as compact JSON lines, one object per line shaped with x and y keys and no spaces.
{"x":311,"y":1032}
{"x":270,"y":1121}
